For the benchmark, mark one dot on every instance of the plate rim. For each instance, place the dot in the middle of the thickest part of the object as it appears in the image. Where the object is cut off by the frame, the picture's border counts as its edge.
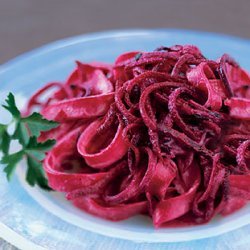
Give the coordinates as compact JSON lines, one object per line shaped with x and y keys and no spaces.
{"x":138,"y":237}
{"x":16,"y":239}
{"x":112,"y":34}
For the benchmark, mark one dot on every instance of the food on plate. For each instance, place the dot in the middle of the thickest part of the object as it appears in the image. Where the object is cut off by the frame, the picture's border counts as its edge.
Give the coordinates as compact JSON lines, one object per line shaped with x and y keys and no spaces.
{"x":163,"y":133}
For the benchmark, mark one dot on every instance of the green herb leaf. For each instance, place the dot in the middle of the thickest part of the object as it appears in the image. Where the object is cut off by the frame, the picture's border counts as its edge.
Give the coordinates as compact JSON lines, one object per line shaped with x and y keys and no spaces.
{"x":35,"y":174}
{"x":5,"y":143}
{"x":138,"y":56}
{"x":37,"y":123}
{"x":26,"y":132}
{"x":11,"y":162}
{"x":21,"y":133}
{"x":3,"y":131}
{"x":11,"y":106}
{"x":2,"y":128}
{"x":38,"y":149}
{"x":42,"y":146}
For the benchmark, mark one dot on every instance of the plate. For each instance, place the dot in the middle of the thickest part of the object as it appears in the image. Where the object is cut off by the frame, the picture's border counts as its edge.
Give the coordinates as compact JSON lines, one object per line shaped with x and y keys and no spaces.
{"x":55,"y":61}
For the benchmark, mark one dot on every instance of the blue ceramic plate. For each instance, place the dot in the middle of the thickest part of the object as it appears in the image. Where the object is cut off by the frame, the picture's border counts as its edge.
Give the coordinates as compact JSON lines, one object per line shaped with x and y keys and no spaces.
{"x":31,"y":216}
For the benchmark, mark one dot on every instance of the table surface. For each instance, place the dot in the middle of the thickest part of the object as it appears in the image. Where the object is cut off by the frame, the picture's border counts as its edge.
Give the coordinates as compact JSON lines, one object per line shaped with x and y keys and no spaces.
{"x":27,"y":24}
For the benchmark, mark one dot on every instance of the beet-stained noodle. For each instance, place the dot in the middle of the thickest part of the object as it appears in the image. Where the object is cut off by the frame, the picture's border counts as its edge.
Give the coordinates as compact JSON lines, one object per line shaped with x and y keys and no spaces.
{"x":163,"y":133}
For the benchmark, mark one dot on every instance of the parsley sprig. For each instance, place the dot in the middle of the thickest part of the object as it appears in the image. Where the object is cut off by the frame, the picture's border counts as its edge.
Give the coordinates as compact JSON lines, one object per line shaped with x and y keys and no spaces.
{"x":27,"y":130}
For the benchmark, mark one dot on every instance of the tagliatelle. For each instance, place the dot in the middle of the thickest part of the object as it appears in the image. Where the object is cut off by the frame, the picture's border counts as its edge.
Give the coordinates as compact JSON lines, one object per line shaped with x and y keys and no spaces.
{"x":163,"y":133}
{"x":90,"y":140}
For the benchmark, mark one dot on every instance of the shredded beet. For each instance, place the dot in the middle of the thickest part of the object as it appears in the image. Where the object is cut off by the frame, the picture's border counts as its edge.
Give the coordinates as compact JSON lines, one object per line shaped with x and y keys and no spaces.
{"x":163,"y":133}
